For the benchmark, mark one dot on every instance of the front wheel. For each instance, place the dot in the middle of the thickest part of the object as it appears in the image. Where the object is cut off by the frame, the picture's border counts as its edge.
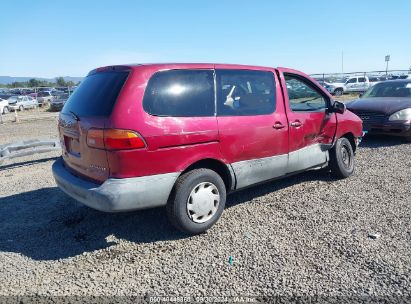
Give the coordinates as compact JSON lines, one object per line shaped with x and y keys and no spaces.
{"x":5,"y":110}
{"x":342,"y":162}
{"x":338,"y":92}
{"x":197,"y":201}
{"x":21,"y":108}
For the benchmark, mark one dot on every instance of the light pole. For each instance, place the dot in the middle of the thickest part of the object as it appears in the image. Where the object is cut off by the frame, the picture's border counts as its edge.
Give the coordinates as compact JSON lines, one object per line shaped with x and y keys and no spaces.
{"x":387,"y":58}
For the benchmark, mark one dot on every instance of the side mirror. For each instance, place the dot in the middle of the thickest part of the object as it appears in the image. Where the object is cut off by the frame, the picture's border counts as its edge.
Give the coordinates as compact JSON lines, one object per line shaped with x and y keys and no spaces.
{"x":337,"y":107}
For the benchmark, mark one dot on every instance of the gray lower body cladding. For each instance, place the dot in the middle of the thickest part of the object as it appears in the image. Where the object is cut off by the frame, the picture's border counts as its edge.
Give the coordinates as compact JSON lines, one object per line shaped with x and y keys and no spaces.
{"x":116,"y":195}
{"x":253,"y":171}
{"x":128,"y":194}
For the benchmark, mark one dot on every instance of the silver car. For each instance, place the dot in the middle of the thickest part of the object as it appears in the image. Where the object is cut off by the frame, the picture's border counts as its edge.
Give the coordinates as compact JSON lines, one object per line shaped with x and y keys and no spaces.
{"x":44,"y":97}
{"x":21,"y":103}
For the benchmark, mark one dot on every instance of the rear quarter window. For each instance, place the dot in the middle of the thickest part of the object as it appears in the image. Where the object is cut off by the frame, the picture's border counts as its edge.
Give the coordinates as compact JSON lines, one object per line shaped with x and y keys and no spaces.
{"x":97,"y":94}
{"x":180,"y":93}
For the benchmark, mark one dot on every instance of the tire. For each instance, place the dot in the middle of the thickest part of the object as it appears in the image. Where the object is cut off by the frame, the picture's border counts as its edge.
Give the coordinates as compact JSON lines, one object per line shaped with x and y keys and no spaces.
{"x":191,"y":192}
{"x":6,"y":110}
{"x":21,"y":108}
{"x":342,"y":160}
{"x":338,"y":92}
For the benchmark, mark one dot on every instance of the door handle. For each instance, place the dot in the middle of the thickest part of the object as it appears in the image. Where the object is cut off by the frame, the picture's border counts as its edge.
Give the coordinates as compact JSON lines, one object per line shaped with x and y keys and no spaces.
{"x":278,"y":125}
{"x":296,"y":124}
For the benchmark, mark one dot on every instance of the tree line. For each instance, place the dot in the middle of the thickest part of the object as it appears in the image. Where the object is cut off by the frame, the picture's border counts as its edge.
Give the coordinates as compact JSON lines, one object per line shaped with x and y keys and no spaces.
{"x":34,"y":83}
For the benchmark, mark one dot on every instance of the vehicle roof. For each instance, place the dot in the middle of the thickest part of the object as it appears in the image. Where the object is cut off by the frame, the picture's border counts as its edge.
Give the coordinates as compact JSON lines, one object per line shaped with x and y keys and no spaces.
{"x":188,"y":65}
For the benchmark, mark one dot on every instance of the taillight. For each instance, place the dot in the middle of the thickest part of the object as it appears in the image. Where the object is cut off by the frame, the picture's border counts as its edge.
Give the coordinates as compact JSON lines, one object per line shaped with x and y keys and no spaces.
{"x":114,"y":139}
{"x":122,"y":139}
{"x":95,"y":138}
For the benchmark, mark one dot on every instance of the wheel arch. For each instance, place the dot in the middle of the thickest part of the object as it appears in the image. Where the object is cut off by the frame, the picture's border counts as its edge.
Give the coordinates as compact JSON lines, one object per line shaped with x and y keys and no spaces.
{"x":225,"y":171}
{"x":351,"y":138}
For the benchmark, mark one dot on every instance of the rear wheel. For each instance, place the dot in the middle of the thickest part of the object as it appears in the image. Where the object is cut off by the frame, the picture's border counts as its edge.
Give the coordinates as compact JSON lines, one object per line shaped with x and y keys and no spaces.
{"x":342,"y":162}
{"x":197,"y":201}
{"x":338,"y":92}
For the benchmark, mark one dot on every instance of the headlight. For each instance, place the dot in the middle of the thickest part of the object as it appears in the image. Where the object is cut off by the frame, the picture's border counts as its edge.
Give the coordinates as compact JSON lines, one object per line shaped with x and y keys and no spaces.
{"x":401,"y":115}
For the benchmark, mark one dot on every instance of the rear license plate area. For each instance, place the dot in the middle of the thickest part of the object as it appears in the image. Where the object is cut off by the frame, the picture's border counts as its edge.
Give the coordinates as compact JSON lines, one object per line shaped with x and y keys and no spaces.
{"x":72,"y":145}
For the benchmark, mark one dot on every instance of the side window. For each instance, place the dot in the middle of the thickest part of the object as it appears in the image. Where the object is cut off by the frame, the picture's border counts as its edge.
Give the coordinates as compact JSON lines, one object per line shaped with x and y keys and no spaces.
{"x":361,"y":79}
{"x":180,"y":93}
{"x":303,"y":96}
{"x":352,"y":80}
{"x":245,"y":92}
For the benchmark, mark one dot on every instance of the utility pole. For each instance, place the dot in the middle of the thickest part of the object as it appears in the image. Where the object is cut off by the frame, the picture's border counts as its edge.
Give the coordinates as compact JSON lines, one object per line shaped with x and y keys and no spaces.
{"x":342,"y":62}
{"x":387,"y":58}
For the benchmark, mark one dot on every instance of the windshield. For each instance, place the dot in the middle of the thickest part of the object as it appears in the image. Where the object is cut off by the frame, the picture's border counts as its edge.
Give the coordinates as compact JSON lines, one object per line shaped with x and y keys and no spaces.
{"x":389,"y":89}
{"x":14,"y":98}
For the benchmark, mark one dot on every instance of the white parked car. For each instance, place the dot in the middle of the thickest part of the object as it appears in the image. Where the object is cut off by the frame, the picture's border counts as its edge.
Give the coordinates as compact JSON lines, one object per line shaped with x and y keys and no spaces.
{"x":4,"y":106}
{"x":21,"y":103}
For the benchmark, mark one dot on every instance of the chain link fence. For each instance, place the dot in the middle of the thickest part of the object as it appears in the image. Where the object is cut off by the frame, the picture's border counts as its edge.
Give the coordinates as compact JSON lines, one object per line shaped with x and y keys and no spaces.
{"x":372,"y":75}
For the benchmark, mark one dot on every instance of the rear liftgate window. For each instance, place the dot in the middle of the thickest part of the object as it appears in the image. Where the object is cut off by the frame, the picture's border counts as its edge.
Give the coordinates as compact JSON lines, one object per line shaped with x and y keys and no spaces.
{"x":97,"y":94}
{"x":180,"y":93}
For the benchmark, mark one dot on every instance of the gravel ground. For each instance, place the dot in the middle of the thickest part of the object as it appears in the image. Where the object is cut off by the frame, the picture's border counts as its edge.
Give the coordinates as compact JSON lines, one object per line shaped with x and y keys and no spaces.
{"x":306,"y":235}
{"x":28,"y":129}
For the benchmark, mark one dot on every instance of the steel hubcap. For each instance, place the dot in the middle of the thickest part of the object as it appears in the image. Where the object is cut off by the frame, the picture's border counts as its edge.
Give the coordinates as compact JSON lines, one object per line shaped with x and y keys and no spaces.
{"x":203,"y":202}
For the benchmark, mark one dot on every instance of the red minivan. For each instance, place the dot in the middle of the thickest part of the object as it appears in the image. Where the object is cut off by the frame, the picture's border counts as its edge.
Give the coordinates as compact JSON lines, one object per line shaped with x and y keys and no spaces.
{"x":185,"y":135}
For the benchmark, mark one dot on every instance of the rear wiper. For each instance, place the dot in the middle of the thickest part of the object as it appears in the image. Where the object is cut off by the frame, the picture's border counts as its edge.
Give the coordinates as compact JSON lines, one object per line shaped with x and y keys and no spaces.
{"x":76,"y":117}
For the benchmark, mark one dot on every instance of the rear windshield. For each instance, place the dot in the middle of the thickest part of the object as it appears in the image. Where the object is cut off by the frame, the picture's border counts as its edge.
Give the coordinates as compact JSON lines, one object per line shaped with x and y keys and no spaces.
{"x":96,"y":95}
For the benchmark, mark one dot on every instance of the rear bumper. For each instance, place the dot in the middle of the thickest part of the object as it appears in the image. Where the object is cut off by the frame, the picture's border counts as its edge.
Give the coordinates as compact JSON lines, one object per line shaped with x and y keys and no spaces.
{"x":116,"y":195}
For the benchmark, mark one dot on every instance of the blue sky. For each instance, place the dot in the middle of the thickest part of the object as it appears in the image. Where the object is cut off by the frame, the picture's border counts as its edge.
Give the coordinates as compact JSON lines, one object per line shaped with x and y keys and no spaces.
{"x":69,"y":38}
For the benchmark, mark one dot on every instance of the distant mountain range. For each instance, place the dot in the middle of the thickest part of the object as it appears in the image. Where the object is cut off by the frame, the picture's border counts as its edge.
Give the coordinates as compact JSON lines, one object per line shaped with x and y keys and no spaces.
{"x":9,"y":79}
